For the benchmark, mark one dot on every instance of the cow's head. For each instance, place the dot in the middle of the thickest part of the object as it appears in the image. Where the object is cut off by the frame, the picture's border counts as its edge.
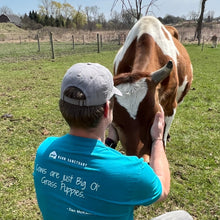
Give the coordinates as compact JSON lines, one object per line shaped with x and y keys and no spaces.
{"x":134,"y":112}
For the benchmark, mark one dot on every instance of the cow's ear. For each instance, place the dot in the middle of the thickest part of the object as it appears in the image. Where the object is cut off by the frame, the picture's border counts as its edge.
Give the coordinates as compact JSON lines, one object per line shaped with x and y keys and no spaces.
{"x":162,"y":73}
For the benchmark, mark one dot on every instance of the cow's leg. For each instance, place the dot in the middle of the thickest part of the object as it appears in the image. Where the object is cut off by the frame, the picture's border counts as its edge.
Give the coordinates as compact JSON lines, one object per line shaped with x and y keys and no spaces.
{"x":168,"y":122}
{"x":112,"y":138}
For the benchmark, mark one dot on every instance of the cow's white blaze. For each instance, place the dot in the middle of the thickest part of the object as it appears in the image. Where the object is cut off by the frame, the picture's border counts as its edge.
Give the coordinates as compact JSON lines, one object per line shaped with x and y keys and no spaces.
{"x":133,"y":94}
{"x":168,"y":121}
{"x":149,"y":25}
{"x":181,"y":89}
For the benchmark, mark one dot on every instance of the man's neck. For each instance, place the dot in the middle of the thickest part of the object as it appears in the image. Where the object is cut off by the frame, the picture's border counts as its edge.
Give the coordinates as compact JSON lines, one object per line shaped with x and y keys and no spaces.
{"x":84,"y":133}
{"x":97,"y":133}
{"x":93,"y":133}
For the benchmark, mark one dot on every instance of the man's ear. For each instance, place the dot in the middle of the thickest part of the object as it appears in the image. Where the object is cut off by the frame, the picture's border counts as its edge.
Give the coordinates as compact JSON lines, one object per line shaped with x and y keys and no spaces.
{"x":106,"y":109}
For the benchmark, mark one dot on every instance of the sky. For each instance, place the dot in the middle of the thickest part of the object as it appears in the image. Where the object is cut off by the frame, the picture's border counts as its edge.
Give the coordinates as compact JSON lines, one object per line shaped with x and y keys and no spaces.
{"x":164,"y":7}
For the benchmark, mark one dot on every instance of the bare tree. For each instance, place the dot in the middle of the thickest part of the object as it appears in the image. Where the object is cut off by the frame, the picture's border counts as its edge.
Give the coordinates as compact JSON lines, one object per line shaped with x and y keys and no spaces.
{"x":135,"y":7}
{"x":45,"y":7}
{"x":115,"y":22}
{"x":5,"y":10}
{"x":198,"y":31}
{"x":55,"y":8}
{"x":193,"y":15}
{"x":92,"y":15}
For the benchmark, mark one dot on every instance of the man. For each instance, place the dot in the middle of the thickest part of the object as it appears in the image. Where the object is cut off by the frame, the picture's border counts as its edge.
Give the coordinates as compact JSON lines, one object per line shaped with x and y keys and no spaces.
{"x":76,"y":176}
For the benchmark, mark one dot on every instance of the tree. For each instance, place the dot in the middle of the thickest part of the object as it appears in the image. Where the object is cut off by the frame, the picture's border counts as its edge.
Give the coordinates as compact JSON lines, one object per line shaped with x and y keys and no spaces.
{"x":101,"y":20}
{"x":46,"y":21}
{"x":127,"y":19}
{"x":51,"y":21}
{"x":92,"y":14}
{"x":135,"y":7}
{"x":28,"y":23}
{"x":58,"y":22}
{"x":170,"y":19}
{"x":45,"y":7}
{"x":79,"y":18}
{"x":193,"y":15}
{"x":115,"y":22}
{"x":68,"y":11}
{"x":5,"y":10}
{"x":68,"y":23}
{"x":55,"y":9}
{"x":198,"y":31}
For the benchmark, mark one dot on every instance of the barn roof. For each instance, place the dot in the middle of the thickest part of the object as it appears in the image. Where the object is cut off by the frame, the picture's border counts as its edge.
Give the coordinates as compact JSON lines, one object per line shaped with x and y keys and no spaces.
{"x":11,"y":18}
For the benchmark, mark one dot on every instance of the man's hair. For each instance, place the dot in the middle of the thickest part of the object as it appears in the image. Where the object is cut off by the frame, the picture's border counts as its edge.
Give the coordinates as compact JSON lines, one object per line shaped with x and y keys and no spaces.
{"x":81,"y":116}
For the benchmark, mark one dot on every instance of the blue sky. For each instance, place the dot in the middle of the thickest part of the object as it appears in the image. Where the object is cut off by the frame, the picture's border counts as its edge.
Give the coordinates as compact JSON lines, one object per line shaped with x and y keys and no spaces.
{"x":164,"y":7}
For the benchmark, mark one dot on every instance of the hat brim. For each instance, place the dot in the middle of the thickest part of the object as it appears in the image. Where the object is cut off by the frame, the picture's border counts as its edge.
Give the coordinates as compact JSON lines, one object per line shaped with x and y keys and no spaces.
{"x":116,"y":91}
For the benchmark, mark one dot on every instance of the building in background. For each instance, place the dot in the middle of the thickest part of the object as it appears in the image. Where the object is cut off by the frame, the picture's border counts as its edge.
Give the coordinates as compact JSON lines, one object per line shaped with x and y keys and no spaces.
{"x":14,"y":19}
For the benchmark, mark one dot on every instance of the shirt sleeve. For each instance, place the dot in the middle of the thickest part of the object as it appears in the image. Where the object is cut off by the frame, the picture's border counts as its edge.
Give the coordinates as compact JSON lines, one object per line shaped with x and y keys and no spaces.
{"x":41,"y":150}
{"x":45,"y":144}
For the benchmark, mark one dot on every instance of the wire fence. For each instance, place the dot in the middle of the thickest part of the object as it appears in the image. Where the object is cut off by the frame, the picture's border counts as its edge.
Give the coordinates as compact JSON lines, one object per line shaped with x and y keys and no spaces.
{"x":20,"y":47}
{"x":52,"y":43}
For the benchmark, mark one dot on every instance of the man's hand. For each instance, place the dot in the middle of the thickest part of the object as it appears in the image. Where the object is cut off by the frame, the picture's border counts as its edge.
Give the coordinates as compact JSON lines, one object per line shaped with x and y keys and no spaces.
{"x":157,"y":128}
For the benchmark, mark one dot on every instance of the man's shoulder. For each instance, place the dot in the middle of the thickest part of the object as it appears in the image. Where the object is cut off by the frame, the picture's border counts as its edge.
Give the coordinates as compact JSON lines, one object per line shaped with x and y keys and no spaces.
{"x":45,"y":144}
{"x":116,"y":158}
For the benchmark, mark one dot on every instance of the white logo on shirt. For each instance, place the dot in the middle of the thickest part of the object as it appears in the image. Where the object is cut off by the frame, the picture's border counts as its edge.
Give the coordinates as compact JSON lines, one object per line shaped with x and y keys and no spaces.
{"x":53,"y":155}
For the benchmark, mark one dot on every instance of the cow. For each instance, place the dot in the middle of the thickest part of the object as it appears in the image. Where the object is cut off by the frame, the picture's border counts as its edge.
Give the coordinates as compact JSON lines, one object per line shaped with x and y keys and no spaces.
{"x":214,"y":40}
{"x":151,"y":69}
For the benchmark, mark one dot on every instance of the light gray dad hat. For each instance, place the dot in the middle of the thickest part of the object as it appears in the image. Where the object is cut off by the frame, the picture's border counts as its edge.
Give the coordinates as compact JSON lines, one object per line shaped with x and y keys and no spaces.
{"x":93,"y":79}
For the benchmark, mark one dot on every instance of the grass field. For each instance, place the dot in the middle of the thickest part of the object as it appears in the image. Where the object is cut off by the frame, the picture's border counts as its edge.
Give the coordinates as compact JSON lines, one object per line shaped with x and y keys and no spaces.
{"x":29,"y":94}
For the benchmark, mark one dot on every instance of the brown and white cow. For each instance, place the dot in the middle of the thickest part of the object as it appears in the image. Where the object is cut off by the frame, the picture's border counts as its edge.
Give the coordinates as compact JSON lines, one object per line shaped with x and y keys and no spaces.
{"x":151,"y":68}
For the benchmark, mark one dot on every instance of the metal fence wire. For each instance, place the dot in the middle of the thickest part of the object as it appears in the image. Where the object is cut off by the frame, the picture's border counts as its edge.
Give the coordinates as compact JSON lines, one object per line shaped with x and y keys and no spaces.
{"x":50,"y":45}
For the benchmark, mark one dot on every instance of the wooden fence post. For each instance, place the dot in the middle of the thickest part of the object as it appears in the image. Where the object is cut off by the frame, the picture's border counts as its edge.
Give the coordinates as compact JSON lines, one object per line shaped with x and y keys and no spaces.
{"x":101,"y":40}
{"x":51,"y":43}
{"x":203,"y":42}
{"x":38,"y":42}
{"x":73,"y":42}
{"x":124,"y":37}
{"x":83,"y":39}
{"x":98,"y":43}
{"x":119,"y":39}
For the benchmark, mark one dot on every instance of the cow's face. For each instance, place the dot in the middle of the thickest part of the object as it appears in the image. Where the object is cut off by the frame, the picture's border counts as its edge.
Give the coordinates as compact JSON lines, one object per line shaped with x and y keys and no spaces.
{"x":140,"y":89}
{"x":134,"y":114}
{"x":134,"y":111}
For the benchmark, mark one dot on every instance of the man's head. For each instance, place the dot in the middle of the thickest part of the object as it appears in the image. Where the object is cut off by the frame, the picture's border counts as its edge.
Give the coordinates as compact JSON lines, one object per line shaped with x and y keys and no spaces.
{"x":85,"y":89}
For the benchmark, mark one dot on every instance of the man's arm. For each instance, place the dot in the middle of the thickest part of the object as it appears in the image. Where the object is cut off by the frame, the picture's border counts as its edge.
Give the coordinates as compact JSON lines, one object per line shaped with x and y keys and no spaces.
{"x":112,"y":138}
{"x":158,"y":159}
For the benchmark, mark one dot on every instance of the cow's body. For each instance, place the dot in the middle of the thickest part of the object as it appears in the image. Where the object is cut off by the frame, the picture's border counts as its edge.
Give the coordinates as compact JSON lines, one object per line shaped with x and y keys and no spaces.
{"x":214,"y":40}
{"x":148,"y":47}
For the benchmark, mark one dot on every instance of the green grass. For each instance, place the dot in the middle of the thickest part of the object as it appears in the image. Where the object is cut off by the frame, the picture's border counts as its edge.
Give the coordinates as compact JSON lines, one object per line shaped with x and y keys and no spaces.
{"x":29,"y":90}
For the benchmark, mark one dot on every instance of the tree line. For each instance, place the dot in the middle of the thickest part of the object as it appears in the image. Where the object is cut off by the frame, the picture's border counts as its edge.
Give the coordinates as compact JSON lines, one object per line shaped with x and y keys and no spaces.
{"x":79,"y":20}
{"x":56,"y":14}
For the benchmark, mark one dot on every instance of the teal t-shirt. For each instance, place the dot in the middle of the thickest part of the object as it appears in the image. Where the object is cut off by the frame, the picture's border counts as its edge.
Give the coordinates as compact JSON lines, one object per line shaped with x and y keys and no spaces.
{"x":81,"y":178}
